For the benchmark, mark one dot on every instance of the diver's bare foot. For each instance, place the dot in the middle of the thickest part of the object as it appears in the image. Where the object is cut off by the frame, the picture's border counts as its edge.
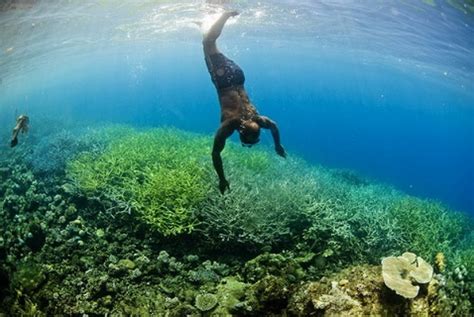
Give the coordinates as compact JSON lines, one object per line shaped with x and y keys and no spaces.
{"x":231,"y":14}
{"x":198,"y":23}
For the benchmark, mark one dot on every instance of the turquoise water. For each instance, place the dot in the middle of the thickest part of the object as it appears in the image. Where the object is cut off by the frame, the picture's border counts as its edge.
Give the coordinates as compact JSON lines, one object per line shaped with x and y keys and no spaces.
{"x":374,"y":101}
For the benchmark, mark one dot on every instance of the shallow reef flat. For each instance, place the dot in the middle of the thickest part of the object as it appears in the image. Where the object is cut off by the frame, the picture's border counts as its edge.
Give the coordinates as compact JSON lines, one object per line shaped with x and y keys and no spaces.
{"x":113,"y":220}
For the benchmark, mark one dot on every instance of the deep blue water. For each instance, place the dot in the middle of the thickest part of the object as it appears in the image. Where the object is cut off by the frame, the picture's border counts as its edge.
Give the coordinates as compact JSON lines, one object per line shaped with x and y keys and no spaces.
{"x":384,"y":88}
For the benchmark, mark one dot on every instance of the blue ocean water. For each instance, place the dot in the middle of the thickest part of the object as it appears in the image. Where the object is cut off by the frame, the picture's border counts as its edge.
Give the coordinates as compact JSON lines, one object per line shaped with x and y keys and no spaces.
{"x":382,"y":87}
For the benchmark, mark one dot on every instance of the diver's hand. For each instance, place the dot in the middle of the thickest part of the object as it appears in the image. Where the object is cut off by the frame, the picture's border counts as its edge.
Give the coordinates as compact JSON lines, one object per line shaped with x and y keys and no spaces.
{"x":280,"y":150}
{"x":14,"y":142}
{"x":223,"y":185}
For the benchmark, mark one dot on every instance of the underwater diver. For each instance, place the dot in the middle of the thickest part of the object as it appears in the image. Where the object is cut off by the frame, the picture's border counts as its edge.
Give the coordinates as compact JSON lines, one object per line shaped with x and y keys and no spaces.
{"x":21,"y":126}
{"x":237,"y":112}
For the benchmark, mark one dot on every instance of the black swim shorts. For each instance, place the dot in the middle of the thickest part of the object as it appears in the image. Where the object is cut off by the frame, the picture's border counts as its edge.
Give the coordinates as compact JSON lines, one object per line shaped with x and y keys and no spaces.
{"x":224,"y":72}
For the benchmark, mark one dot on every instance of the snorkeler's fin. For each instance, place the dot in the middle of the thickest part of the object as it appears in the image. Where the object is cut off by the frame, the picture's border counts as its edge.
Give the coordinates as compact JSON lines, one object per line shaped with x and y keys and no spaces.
{"x":14,"y":142}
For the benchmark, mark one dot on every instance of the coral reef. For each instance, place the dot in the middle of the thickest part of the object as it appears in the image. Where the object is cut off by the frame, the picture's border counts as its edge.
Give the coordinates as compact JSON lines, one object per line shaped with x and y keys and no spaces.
{"x":50,"y":154}
{"x":137,"y":227}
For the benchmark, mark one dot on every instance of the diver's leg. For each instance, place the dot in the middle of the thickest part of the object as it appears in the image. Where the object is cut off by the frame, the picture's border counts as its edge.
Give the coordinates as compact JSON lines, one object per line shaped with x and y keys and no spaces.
{"x":14,"y":140}
{"x":209,"y":40}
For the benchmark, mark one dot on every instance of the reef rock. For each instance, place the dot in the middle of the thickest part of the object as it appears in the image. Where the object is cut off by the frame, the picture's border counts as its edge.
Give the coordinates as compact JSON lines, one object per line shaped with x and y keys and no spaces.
{"x":355,"y":291}
{"x":337,"y":301}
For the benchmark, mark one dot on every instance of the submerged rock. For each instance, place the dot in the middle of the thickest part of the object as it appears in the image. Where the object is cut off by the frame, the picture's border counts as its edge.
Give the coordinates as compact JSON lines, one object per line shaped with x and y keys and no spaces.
{"x":337,"y":301}
{"x":357,"y":291}
{"x":360,"y":291}
{"x":272,"y":293}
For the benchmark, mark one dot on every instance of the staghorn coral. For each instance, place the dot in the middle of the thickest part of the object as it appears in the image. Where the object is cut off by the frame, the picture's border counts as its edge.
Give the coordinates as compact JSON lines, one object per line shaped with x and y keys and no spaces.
{"x":157,"y":174}
{"x":161,"y":176}
{"x":165,"y":176}
{"x":265,"y":209}
{"x":359,"y":224}
{"x":427,"y":227}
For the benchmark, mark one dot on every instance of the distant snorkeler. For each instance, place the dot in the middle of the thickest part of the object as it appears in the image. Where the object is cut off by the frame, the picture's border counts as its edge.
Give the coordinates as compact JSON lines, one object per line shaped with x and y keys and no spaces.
{"x":21,"y":126}
{"x":237,"y":112}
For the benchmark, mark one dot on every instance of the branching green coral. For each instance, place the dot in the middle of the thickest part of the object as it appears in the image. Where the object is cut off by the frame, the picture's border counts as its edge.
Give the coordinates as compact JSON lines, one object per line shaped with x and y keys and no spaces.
{"x":160,"y":174}
{"x":165,"y":176}
{"x":427,"y":227}
{"x":364,"y":223}
{"x":265,"y":207}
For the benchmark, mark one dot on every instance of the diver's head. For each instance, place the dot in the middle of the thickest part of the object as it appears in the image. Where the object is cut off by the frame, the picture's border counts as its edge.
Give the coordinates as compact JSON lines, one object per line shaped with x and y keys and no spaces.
{"x":22,"y":123}
{"x":249,"y":133}
{"x":23,"y":119}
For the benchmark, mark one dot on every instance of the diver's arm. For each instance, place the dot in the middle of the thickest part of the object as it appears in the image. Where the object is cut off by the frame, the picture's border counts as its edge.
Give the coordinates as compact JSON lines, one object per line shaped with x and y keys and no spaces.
{"x":267,"y":123}
{"x":225,"y":130}
{"x":216,"y":29}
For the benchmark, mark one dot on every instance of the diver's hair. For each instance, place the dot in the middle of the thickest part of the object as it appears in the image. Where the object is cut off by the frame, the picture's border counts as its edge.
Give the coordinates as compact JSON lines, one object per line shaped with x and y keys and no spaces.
{"x":250,"y":137}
